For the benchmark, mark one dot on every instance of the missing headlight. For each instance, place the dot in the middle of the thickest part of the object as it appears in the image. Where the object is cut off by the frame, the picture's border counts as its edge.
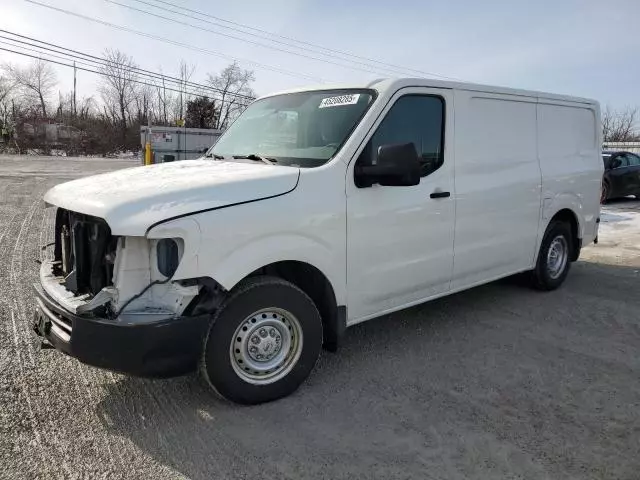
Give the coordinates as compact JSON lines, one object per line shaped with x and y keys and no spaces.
{"x":168,"y":256}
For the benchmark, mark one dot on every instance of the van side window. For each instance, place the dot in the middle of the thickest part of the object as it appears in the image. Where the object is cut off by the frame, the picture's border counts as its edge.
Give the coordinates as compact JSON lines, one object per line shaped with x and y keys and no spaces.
{"x":413,"y":118}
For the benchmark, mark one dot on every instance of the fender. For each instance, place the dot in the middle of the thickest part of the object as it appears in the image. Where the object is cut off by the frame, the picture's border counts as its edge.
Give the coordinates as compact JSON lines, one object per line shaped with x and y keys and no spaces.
{"x":570,"y":201}
{"x":275,"y":248}
{"x":550,"y":208}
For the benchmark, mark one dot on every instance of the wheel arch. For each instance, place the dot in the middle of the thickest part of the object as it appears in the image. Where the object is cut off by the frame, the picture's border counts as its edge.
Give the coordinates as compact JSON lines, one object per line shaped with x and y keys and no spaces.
{"x":568,"y":216}
{"x":312,"y":281}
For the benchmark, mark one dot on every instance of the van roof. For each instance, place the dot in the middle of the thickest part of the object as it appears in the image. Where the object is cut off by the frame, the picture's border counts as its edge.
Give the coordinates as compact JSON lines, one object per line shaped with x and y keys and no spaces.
{"x":382,"y":85}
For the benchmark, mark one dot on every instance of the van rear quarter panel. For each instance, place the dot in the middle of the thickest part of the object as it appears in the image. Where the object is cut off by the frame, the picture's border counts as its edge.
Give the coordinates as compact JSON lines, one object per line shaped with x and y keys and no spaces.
{"x":569,"y":140}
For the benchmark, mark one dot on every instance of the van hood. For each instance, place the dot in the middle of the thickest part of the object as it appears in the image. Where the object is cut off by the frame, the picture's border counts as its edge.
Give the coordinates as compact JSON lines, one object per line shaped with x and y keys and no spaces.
{"x":134,"y":199}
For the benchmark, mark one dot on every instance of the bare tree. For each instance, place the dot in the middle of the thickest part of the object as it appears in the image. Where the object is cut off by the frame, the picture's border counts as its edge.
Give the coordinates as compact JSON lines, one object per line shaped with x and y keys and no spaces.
{"x":164,"y":100}
{"x":235,"y":93}
{"x":118,"y":87}
{"x":5,"y":108}
{"x":5,"y":88}
{"x":87,"y":107}
{"x":143,"y":103}
{"x":185,"y":73}
{"x":620,"y":126}
{"x":36,"y":81}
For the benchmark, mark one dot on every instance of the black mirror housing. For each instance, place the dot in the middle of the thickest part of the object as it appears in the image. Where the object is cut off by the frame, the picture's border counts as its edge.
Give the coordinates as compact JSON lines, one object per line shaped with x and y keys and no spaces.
{"x":397,"y":166}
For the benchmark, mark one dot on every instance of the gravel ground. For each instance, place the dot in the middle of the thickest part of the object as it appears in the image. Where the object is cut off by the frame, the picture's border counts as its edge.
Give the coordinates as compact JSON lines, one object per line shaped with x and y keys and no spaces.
{"x":496,"y":382}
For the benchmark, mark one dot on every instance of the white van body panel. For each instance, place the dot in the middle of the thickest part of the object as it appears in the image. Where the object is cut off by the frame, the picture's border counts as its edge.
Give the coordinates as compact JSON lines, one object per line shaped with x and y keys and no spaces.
{"x":497,"y":185}
{"x":512,"y":160}
{"x":392,"y":259}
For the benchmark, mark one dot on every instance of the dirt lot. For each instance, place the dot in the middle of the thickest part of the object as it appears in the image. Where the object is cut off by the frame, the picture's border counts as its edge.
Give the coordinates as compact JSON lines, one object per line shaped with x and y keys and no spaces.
{"x":496,"y":382}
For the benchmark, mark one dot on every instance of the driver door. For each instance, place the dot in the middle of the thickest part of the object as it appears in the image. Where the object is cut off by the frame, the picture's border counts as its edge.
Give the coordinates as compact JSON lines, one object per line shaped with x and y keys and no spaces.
{"x":400,"y":239}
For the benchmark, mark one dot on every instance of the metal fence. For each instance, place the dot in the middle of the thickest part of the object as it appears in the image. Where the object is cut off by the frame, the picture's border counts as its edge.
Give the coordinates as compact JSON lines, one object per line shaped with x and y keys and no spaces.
{"x":626,"y":146}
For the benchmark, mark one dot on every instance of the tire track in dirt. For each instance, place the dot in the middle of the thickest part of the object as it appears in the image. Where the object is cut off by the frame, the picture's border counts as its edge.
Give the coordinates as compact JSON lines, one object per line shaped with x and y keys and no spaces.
{"x":4,"y":227}
{"x":23,"y":334}
{"x":55,"y":390}
{"x":87,"y":383}
{"x":78,"y":372}
{"x":14,"y":346}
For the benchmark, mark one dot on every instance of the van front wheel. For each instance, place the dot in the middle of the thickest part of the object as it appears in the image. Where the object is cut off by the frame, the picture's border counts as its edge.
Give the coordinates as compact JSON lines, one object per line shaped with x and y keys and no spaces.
{"x":554,"y":258}
{"x":263,"y":341}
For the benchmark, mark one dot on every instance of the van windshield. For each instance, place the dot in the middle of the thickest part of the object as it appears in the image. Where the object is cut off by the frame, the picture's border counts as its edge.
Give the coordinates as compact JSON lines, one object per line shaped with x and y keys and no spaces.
{"x":304,"y":129}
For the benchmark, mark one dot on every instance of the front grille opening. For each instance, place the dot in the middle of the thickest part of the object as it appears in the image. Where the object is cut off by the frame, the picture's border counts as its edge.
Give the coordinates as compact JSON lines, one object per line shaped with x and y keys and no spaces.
{"x":84,"y":252}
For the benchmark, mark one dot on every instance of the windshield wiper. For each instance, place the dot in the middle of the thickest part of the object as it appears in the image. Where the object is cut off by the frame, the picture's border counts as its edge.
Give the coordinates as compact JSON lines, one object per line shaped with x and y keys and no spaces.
{"x":214,"y":156}
{"x":257,"y":158}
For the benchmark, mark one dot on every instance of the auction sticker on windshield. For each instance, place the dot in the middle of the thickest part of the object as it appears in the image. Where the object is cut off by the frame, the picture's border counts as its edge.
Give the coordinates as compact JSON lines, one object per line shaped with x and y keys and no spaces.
{"x":339,"y":100}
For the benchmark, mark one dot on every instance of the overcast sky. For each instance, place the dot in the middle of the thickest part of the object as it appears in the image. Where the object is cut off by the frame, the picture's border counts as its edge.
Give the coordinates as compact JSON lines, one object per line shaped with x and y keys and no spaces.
{"x":582,"y":47}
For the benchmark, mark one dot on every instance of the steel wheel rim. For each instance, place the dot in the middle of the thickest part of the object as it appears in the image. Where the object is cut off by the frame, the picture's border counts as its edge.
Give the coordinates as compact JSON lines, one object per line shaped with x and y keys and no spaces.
{"x":557,"y":256}
{"x":266,"y":346}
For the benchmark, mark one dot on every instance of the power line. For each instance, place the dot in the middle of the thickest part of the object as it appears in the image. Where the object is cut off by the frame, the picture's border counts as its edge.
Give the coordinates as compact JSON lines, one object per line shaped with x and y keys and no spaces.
{"x":191,"y":25}
{"x":37,"y":51}
{"x":390,"y":69}
{"x":48,"y":57}
{"x":39,"y":57}
{"x":193,"y":91}
{"x":173,"y":42}
{"x":104,"y":62}
{"x":291,"y":39}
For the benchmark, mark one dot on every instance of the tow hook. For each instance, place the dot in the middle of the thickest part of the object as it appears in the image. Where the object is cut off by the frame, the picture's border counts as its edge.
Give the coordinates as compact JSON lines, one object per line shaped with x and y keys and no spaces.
{"x":40,"y":327}
{"x":44,"y":343}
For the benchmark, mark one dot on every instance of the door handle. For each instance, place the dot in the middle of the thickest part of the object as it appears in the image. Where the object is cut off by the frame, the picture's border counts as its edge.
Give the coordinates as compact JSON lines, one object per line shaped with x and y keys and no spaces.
{"x":440,"y":195}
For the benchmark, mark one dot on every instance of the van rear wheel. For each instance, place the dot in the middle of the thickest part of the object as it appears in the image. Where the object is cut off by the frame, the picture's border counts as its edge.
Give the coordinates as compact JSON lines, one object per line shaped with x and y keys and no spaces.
{"x":263,"y":341}
{"x":554,"y":258}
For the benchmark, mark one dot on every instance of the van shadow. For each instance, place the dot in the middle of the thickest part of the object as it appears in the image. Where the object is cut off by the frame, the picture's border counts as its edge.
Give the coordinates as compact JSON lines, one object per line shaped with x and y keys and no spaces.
{"x":455,"y":386}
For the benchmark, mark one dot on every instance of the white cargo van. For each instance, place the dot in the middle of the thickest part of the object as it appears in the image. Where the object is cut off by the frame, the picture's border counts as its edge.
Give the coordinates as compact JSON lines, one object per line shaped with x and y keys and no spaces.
{"x":316,"y":210}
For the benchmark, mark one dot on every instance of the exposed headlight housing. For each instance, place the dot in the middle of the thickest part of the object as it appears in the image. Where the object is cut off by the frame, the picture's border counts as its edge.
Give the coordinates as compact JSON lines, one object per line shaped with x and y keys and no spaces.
{"x":168,"y":255}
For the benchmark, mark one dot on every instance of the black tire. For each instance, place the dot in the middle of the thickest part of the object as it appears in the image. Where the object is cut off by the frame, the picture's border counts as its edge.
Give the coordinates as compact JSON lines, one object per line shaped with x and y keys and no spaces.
{"x":218,"y":367}
{"x":542,"y":278}
{"x":606,"y":191}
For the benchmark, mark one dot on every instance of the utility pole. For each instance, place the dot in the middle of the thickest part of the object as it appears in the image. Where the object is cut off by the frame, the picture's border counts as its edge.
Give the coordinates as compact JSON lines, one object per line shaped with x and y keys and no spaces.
{"x":164,"y":102}
{"x":74,"y":106}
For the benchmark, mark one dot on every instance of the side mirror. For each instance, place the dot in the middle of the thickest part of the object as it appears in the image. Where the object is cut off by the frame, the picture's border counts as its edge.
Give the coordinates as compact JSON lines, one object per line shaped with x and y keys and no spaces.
{"x":397,"y":166}
{"x":615,"y":163}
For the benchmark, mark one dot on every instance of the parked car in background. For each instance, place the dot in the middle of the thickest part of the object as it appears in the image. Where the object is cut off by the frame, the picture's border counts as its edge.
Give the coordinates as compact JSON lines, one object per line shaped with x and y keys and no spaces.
{"x":621,"y":175}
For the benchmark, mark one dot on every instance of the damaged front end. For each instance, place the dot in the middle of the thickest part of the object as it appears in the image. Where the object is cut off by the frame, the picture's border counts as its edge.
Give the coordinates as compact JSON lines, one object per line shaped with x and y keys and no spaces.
{"x":83,"y":257}
{"x":112,"y":301}
{"x":120,"y":278}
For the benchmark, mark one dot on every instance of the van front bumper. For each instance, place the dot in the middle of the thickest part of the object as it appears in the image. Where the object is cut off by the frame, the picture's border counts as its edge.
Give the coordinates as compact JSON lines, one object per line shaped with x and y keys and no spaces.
{"x":161,"y":348}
